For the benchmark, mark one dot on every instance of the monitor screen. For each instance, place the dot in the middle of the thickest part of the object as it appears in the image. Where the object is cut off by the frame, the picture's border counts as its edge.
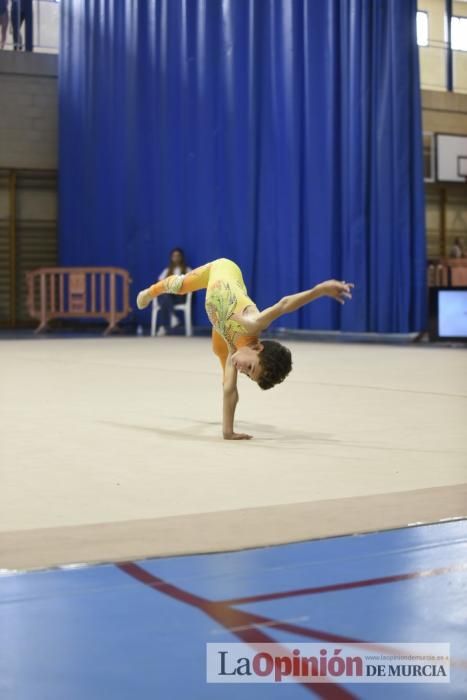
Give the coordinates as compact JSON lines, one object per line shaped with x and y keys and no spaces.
{"x":452,"y":313}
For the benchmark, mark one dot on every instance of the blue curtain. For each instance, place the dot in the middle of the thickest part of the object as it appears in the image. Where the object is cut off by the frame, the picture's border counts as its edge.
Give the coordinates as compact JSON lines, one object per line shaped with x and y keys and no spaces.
{"x":285,"y":134}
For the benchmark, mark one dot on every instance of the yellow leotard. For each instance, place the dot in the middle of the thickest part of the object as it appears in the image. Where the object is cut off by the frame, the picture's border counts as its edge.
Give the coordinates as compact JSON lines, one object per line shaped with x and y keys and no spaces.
{"x":226,"y":294}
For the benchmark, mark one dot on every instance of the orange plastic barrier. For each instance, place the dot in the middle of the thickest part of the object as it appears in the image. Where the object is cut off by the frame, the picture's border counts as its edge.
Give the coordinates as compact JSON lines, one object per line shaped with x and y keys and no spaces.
{"x":437,"y":275}
{"x":448,"y":272}
{"x":78,"y":292}
{"x":458,"y":267}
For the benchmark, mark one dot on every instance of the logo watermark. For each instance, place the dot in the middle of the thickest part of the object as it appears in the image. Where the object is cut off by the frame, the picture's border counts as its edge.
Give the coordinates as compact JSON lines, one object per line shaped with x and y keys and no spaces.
{"x":291,"y":662}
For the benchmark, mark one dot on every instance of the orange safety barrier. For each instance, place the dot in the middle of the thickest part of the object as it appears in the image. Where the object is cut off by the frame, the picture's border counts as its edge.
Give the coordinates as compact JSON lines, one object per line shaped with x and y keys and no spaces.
{"x":437,"y":275}
{"x":458,"y":269}
{"x":448,"y":272}
{"x":78,"y":292}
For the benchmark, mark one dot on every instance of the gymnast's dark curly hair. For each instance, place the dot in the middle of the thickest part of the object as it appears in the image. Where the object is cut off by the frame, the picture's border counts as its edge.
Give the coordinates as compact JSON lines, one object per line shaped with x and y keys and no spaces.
{"x":276,"y":363}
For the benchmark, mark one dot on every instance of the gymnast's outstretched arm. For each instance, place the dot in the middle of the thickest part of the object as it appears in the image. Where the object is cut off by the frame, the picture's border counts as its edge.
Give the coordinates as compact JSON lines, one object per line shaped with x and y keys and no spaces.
{"x":254,"y":324}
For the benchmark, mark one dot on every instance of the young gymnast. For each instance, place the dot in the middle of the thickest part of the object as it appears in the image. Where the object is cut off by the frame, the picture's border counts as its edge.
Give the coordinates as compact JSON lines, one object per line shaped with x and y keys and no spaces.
{"x":237,"y":324}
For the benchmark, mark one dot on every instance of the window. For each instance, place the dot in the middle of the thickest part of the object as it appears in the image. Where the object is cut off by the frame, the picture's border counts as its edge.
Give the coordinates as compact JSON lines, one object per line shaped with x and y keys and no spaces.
{"x":422,"y":28}
{"x":458,"y":33}
{"x":46,"y":25}
{"x":428,"y":156}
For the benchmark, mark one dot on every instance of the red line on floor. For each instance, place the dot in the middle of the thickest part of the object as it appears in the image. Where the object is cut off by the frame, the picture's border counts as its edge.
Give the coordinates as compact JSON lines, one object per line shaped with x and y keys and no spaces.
{"x":344,"y":586}
{"x":239,"y":623}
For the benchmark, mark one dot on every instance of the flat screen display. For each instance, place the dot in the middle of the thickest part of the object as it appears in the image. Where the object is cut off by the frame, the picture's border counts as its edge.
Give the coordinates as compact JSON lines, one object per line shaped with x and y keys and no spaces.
{"x":452,"y":313}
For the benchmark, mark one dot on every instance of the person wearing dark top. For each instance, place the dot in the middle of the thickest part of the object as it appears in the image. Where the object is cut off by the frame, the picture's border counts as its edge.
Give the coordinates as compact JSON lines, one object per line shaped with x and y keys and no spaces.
{"x":21,"y":11}
{"x":167,"y":316}
{"x":3,"y":22}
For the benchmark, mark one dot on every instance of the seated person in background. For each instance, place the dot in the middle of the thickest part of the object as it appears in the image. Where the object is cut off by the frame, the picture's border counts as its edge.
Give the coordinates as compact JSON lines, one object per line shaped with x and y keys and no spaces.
{"x":457,"y":249}
{"x":177,"y":266}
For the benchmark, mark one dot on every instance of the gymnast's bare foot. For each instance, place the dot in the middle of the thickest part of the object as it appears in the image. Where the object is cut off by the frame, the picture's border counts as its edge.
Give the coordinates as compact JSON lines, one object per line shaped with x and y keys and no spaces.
{"x":237,"y":436}
{"x":143,"y":299}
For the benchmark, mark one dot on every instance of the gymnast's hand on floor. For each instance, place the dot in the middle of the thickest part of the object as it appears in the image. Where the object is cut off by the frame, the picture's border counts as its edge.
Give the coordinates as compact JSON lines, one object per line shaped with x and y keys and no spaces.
{"x":340,"y":291}
{"x":237,"y":436}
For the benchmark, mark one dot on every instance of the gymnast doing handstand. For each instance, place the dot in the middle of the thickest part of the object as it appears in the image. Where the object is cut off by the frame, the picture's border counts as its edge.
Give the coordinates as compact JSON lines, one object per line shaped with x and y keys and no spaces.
{"x":237,"y":324}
